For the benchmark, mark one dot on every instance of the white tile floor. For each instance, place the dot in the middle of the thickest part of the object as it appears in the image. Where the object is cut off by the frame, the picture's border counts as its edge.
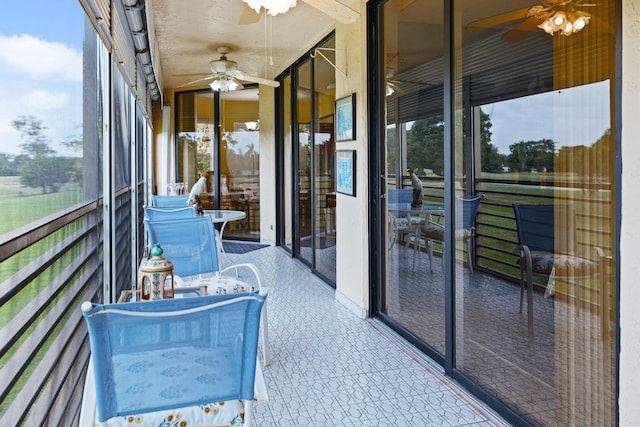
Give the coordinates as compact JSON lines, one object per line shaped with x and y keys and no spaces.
{"x":331,"y":368}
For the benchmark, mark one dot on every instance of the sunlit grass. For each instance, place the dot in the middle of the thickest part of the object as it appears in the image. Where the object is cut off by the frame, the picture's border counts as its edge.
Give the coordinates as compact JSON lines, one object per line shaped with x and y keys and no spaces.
{"x":21,"y":205}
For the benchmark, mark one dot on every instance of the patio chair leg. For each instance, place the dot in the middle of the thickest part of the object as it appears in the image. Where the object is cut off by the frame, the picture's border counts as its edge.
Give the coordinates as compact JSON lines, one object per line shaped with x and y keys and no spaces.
{"x":266,"y":357}
{"x":521,"y":289}
{"x":416,"y":248}
{"x":469,"y":256}
{"x":430,"y":252}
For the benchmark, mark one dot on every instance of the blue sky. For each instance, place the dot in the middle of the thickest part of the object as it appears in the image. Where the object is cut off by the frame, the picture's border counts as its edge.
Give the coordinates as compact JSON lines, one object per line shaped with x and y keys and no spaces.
{"x":575,"y":116}
{"x":41,"y":69}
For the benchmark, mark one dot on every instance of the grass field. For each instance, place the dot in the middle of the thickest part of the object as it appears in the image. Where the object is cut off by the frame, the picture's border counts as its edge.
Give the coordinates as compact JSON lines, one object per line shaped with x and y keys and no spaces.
{"x":21,"y":205}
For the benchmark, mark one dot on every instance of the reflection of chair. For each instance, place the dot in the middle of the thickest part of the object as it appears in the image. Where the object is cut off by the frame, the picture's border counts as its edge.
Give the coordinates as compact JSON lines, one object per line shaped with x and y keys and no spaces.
{"x":402,"y":225}
{"x":433,"y":232}
{"x":159,"y":201}
{"x":191,"y":245}
{"x":192,"y":360}
{"x":154,"y":213}
{"x":547,"y":246}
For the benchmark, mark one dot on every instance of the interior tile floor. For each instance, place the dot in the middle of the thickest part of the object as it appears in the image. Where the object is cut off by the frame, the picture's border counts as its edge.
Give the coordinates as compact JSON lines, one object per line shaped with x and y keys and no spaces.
{"x":330,"y":367}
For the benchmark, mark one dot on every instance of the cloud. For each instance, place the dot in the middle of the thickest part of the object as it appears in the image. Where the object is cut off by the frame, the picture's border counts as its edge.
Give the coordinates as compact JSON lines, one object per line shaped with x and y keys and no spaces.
{"x":45,"y":100}
{"x":41,"y":59}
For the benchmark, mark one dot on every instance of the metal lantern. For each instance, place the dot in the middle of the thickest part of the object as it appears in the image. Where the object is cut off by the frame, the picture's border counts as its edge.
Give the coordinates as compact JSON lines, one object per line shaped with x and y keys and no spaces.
{"x":156,"y":276}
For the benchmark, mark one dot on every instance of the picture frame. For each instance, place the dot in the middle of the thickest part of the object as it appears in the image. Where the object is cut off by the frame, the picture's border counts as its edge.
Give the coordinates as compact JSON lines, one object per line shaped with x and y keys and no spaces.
{"x":346,"y":172}
{"x":345,"y":118}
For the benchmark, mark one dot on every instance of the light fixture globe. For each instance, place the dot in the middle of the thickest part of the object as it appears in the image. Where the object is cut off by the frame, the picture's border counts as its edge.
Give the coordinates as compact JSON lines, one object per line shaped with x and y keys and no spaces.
{"x":225,"y":84}
{"x":273,"y":7}
{"x":580,"y":19}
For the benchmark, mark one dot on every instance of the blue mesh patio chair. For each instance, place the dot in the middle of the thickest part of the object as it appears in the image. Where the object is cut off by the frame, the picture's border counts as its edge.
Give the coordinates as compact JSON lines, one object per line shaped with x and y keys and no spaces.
{"x":160,"y":201}
{"x":191,"y":245}
{"x":160,"y":362}
{"x":168,"y":214}
{"x":433,"y":231}
{"x":157,"y":213}
{"x":547,"y":247}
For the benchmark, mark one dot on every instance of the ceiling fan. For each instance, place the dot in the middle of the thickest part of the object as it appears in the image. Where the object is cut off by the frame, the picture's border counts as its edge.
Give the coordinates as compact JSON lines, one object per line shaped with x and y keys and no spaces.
{"x":225,"y":75}
{"x":334,"y":8}
{"x":393,"y":83}
{"x":552,"y":16}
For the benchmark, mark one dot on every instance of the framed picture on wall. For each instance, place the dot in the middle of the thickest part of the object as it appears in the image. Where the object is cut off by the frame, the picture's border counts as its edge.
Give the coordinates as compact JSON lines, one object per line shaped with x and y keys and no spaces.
{"x":345,"y":111}
{"x":346,"y":172}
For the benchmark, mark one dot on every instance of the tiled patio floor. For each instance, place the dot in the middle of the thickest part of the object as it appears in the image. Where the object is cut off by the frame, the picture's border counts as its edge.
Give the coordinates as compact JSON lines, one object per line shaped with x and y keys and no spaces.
{"x":331,"y":368}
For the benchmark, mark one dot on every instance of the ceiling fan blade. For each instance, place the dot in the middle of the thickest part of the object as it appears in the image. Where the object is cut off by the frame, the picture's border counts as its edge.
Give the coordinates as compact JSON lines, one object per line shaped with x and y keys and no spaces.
{"x":209,"y":77}
{"x":336,"y":10}
{"x":497,"y":20}
{"x":411,"y":82}
{"x":242,"y":76}
{"x":191,"y":74}
{"x":248,"y":16}
{"x":394,"y":88}
{"x":522,"y":30}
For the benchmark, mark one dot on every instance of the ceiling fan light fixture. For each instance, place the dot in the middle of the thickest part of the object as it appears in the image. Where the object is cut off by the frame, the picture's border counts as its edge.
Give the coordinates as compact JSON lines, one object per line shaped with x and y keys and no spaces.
{"x":580,"y":19}
{"x":559,"y":21}
{"x":547,"y":26}
{"x":225,"y":84}
{"x":389,"y":90}
{"x":273,"y":7}
{"x":559,"y":18}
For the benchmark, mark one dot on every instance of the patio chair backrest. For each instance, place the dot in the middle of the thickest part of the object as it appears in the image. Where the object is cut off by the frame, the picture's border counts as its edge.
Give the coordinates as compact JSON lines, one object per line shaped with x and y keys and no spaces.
{"x":469,"y":207}
{"x":154,"y":213}
{"x":160,"y":201}
{"x":404,"y":195}
{"x":189,"y":243}
{"x":138,"y":348}
{"x":537,"y":226}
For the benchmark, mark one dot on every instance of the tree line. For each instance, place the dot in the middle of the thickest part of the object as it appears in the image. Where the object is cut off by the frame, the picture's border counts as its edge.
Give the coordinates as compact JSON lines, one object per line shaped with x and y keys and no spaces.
{"x":38,"y":165}
{"x":425,"y":150}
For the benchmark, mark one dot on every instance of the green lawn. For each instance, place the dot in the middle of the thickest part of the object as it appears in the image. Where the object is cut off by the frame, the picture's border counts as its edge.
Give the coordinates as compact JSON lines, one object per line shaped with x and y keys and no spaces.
{"x":21,"y":205}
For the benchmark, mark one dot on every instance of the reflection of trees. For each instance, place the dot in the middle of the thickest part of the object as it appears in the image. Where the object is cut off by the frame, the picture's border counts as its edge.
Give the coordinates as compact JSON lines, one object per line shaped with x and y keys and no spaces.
{"x":593,"y":161}
{"x":425,"y":145}
{"x":527,"y":156}
{"x":252,"y":155}
{"x":236,"y":160}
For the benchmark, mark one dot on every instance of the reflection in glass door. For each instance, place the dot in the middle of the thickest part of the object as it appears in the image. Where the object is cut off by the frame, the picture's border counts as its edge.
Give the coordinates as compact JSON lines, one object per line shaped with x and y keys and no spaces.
{"x":288,"y":198}
{"x":324,"y":148}
{"x":240,"y":160}
{"x":304,"y":177}
{"x":413,"y":295}
{"x":529,"y":127}
{"x":218,"y":136}
{"x":307,"y":225}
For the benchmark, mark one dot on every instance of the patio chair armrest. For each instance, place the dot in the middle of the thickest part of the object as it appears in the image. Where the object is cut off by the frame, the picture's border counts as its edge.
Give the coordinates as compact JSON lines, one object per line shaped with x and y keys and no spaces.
{"x":429,"y":222}
{"x":524,"y":251}
{"x":250,"y":266}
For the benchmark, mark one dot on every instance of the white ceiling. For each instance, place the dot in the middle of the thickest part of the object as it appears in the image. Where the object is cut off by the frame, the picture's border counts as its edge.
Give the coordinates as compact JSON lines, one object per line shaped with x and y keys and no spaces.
{"x":190,"y":32}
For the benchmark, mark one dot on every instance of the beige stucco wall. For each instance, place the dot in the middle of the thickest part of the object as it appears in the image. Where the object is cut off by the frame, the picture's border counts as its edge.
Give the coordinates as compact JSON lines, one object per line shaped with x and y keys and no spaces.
{"x":267,"y":165}
{"x":352,"y":283}
{"x":630,"y":211}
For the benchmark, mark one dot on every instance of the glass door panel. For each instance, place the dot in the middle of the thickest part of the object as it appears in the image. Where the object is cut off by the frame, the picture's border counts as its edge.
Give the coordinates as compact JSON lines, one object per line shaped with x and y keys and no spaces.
{"x":324,"y":149}
{"x":413,"y":294}
{"x":304,"y":177}
{"x":543,"y":138}
{"x":195,"y":130}
{"x":288,"y":197}
{"x":240,"y":160}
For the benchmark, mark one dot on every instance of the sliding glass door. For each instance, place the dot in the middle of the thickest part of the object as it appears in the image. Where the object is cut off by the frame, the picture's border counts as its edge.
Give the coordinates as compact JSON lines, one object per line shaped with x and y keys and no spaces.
{"x":308,"y":210}
{"x":486,"y":99}
{"x":218,"y":137}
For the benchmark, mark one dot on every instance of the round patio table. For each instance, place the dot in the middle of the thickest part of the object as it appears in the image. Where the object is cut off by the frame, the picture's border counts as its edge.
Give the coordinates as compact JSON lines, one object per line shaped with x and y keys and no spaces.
{"x":220,"y":216}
